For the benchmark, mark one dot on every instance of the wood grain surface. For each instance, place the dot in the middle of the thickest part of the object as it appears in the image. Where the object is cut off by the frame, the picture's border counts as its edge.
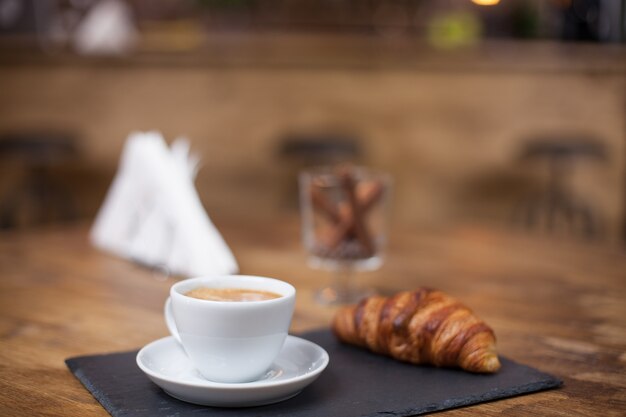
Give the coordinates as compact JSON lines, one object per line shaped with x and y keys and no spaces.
{"x":555,"y":305}
{"x":448,"y":125}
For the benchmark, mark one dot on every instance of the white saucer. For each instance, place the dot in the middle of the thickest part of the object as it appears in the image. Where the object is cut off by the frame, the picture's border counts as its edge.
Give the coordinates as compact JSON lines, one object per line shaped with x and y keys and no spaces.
{"x":299,"y":363}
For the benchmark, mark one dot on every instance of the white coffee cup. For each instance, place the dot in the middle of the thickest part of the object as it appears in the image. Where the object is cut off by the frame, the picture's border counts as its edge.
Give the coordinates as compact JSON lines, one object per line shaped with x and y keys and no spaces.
{"x":230,"y":341}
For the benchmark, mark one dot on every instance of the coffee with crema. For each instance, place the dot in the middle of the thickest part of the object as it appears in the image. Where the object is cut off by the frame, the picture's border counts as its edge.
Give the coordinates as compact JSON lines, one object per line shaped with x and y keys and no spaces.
{"x":231,"y":294}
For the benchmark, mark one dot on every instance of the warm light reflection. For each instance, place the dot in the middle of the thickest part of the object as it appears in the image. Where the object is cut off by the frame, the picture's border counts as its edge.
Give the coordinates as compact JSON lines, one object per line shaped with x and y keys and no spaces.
{"x":486,"y":2}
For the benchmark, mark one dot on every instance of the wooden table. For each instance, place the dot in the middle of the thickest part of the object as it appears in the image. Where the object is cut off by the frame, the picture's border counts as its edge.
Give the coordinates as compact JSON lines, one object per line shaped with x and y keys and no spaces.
{"x":555,"y":305}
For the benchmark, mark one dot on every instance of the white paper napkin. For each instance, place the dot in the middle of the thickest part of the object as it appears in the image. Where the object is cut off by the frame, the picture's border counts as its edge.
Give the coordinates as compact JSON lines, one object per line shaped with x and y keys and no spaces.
{"x":153,"y":215}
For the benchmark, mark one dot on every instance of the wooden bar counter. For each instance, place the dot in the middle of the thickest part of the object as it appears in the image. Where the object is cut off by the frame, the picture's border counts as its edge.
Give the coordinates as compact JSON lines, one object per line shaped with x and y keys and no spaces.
{"x":556,"y":305}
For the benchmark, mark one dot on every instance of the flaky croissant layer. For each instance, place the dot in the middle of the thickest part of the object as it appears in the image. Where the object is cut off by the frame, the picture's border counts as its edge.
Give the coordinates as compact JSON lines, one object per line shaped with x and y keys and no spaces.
{"x":424,"y":326}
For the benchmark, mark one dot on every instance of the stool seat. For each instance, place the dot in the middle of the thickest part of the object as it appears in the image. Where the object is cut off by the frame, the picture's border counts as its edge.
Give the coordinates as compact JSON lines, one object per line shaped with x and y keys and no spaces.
{"x":564,"y":147}
{"x":319,"y":149}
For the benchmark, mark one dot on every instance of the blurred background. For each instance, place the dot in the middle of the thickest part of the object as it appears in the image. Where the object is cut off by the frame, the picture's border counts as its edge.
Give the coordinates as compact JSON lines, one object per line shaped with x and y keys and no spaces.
{"x":509,"y":113}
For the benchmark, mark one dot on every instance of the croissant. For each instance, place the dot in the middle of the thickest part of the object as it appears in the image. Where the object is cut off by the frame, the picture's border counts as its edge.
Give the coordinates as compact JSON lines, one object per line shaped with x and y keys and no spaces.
{"x":424,"y":326}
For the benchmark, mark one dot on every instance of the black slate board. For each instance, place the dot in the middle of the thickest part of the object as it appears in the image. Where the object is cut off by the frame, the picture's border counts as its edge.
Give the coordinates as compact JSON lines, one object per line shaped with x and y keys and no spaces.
{"x":356,"y":383}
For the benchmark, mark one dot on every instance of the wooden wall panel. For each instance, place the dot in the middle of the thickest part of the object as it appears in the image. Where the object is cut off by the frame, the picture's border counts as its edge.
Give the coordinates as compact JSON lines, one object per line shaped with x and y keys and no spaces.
{"x":450,"y":138}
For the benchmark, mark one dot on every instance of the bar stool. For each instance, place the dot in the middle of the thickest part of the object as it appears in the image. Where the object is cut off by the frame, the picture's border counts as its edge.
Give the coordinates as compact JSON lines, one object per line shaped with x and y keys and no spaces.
{"x":36,"y":197}
{"x":556,"y":202}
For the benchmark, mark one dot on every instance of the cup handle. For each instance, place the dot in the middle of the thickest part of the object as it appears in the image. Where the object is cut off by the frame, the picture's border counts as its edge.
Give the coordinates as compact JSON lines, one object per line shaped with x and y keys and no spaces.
{"x":169,"y":320}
